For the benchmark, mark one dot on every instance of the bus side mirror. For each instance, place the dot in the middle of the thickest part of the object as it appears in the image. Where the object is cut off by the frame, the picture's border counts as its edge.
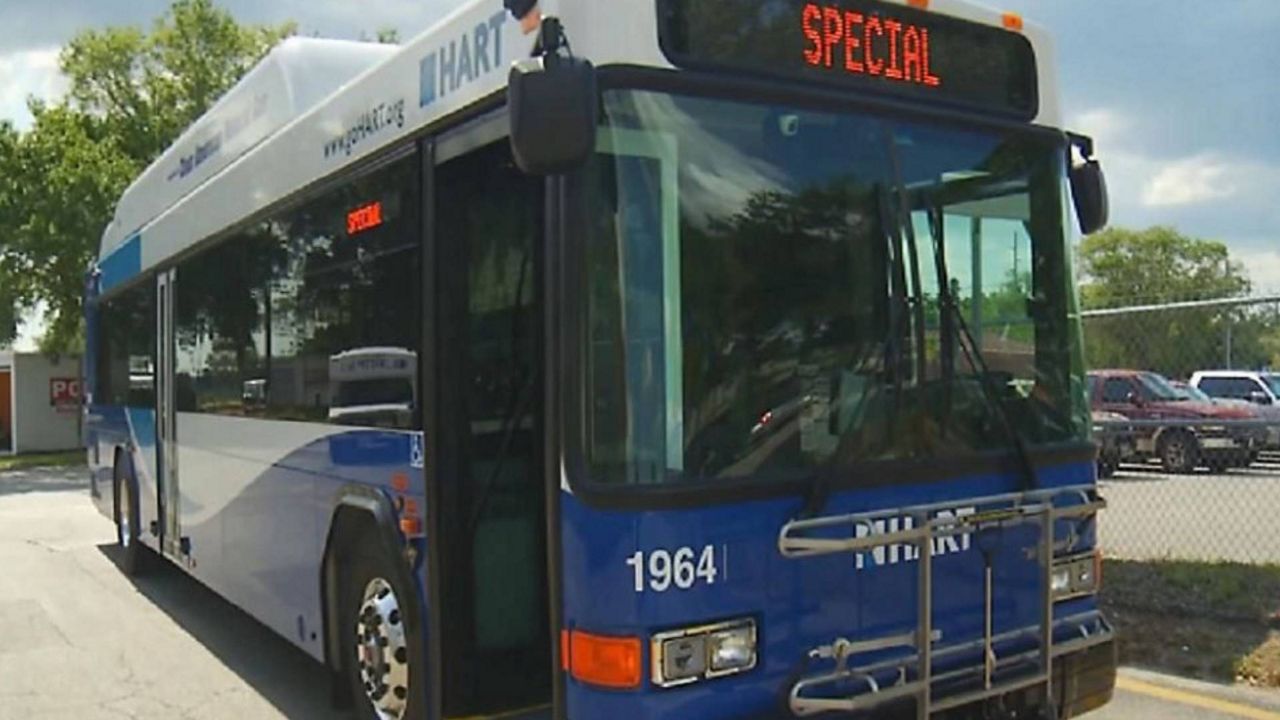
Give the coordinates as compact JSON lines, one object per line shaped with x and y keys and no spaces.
{"x":1089,"y":191}
{"x":553,"y":103}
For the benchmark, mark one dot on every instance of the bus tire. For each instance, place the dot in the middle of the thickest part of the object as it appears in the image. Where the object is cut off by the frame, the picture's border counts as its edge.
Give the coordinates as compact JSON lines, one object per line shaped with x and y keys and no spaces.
{"x":131,"y":554}
{"x":386,"y":678}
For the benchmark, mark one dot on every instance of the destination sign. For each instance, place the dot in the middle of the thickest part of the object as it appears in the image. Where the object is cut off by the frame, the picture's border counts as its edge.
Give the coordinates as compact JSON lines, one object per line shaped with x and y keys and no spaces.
{"x":365,"y":217}
{"x":864,"y":44}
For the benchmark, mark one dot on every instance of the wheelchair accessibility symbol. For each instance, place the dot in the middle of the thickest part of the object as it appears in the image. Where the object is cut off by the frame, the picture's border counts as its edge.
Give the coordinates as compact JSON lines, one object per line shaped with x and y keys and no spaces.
{"x":417,"y":451}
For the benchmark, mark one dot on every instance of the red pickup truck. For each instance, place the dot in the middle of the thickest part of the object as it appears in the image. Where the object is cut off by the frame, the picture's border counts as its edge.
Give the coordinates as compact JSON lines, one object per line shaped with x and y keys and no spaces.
{"x":1192,"y":439}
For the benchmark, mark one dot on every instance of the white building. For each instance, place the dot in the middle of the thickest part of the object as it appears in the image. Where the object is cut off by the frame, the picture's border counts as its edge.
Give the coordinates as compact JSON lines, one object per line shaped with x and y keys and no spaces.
{"x":39,"y":402}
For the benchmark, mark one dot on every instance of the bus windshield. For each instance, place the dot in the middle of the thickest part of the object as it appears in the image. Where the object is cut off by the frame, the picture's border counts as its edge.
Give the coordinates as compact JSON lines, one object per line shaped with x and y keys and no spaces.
{"x":774,"y":291}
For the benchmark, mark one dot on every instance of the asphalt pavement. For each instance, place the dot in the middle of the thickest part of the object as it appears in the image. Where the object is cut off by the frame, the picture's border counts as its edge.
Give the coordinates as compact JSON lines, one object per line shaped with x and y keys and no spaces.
{"x":1194,"y":516}
{"x":80,"y":641}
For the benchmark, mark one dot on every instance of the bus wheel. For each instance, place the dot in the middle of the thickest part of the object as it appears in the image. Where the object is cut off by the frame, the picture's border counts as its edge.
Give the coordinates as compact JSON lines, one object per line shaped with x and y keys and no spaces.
{"x":126,"y":511}
{"x":384,"y":676}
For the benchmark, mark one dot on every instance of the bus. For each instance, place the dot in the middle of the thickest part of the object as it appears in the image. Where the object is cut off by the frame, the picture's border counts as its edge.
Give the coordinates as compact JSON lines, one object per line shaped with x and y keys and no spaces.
{"x":373,"y":386}
{"x":745,"y":353}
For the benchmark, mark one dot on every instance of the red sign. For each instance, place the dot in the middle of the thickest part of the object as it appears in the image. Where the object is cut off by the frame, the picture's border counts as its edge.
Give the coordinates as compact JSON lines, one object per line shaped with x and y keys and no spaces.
{"x":64,"y":393}
{"x":867,"y":44}
{"x":365,"y":217}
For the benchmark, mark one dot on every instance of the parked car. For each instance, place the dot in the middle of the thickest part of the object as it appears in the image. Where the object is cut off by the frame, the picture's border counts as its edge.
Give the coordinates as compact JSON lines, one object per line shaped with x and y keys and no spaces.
{"x":1261,"y":434}
{"x":1196,"y":440}
{"x":1261,"y":389}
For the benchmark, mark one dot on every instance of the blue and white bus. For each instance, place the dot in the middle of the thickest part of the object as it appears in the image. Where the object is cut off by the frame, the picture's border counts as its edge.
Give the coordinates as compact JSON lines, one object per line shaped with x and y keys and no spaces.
{"x":719,"y":359}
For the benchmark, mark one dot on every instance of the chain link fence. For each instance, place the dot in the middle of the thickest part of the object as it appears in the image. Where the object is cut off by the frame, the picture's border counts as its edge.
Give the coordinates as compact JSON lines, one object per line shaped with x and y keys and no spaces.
{"x":1186,"y":409}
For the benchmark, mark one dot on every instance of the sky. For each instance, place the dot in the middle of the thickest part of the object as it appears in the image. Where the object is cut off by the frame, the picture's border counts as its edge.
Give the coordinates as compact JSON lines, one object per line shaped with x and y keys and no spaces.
{"x":1180,"y":96}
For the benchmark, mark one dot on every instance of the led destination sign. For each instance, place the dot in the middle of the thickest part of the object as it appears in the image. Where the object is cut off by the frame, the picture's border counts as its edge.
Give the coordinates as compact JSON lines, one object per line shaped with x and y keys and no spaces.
{"x":864,"y":44}
{"x":851,"y":41}
{"x":365,"y":217}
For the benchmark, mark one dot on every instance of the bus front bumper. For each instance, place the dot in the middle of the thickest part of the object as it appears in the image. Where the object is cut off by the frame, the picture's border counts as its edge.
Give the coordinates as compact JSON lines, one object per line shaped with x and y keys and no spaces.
{"x":1086,"y":679}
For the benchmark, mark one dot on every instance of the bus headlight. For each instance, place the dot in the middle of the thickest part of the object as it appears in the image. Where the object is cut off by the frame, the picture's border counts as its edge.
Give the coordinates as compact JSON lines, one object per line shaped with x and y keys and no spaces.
{"x":1060,"y":580}
{"x":708,"y":651}
{"x":1075,"y":576}
{"x":684,"y":659}
{"x":732,"y":650}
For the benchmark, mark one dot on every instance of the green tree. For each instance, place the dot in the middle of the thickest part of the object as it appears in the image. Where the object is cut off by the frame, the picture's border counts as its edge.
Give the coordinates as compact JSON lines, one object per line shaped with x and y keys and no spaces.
{"x":131,"y":94}
{"x":10,"y":293}
{"x":1123,"y":268}
{"x":1157,"y":265}
{"x":147,"y":88}
{"x":68,"y":176}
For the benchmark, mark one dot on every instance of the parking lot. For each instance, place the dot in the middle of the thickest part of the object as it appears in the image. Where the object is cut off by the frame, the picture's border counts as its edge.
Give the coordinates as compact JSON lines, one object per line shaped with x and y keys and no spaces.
{"x":80,"y":641}
{"x":1194,"y":516}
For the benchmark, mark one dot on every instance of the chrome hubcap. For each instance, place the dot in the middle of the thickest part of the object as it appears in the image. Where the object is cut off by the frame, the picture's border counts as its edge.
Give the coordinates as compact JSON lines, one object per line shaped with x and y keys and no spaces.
{"x":382,"y":650}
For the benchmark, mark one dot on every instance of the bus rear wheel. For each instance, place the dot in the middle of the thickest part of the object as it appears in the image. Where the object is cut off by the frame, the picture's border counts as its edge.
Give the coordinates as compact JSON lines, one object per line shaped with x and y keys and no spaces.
{"x":381,"y":667}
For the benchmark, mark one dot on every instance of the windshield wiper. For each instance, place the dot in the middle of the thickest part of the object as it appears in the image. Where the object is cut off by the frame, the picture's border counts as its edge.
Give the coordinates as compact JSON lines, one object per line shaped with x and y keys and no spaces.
{"x":897,"y":343}
{"x":953,"y":324}
{"x":976,"y":361}
{"x":950,"y":308}
{"x":945,"y":297}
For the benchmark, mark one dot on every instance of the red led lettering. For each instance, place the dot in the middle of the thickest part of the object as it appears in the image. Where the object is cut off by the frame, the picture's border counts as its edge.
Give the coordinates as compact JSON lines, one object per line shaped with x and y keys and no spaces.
{"x":911,"y":55}
{"x":851,"y":43}
{"x":811,"y":20}
{"x":894,"y":71}
{"x":929,"y":78}
{"x":832,"y":31}
{"x":365,"y":217}
{"x":872,"y":26}
{"x":902,"y":55}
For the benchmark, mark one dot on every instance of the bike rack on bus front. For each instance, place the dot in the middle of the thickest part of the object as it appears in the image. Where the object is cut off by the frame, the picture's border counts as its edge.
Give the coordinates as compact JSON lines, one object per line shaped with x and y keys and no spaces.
{"x":914,"y":672}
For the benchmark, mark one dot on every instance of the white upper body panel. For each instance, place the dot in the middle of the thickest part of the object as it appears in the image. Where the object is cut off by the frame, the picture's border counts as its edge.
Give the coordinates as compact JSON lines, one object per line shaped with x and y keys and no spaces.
{"x":295,"y":76}
{"x":292,"y":134}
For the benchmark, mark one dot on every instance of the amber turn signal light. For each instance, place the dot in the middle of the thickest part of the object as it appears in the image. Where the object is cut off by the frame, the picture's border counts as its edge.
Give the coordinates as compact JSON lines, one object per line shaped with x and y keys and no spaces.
{"x":603,"y":660}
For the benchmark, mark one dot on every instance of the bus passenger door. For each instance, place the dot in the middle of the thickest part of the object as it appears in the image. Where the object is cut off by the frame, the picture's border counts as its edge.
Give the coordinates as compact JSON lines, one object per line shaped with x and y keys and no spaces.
{"x":166,"y":450}
{"x":489,"y":579}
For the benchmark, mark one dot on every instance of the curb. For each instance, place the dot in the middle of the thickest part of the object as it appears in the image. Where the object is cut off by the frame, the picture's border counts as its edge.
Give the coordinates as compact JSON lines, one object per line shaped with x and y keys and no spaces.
{"x":1260,"y":698}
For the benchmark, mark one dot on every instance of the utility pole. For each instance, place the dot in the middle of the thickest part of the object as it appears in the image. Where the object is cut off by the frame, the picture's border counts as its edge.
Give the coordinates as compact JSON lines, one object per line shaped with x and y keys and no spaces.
{"x":1226,"y":267}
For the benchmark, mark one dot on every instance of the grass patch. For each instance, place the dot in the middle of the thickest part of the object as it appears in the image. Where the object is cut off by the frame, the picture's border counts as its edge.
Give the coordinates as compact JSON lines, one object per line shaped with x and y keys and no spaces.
{"x":35,"y":460}
{"x":1212,"y":621}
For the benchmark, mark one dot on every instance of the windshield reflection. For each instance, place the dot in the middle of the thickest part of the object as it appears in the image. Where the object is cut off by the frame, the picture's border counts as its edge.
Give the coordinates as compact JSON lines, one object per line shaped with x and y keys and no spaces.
{"x":767,"y":292}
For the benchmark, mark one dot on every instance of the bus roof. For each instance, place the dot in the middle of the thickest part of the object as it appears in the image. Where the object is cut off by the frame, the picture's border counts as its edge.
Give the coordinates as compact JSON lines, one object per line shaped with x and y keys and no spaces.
{"x":379,"y":352}
{"x":314,"y":107}
{"x":295,"y":76}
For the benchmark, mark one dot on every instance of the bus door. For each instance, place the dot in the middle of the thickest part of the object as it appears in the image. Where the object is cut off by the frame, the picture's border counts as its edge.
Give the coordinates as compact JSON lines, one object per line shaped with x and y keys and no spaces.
{"x":166,"y":423}
{"x":488,"y":565}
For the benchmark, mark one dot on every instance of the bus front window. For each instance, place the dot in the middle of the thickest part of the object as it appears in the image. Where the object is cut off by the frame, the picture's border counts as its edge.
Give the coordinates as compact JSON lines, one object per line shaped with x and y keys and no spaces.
{"x":763,"y":292}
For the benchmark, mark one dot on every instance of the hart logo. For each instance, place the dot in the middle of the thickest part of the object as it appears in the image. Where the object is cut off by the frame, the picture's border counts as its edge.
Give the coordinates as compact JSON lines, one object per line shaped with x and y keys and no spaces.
{"x":900,"y":552}
{"x":472,"y":55}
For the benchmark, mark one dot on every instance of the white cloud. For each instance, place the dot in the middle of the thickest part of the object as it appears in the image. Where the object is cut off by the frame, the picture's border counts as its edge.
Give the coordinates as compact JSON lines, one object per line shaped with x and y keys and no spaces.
{"x":1208,"y":192}
{"x":1105,"y":125}
{"x":1263,"y":267}
{"x":25,"y":73}
{"x":1191,"y":180}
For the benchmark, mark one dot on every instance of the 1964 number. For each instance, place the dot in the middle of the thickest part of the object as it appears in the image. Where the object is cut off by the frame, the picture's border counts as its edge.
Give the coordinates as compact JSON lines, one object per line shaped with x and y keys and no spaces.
{"x":667,"y":568}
